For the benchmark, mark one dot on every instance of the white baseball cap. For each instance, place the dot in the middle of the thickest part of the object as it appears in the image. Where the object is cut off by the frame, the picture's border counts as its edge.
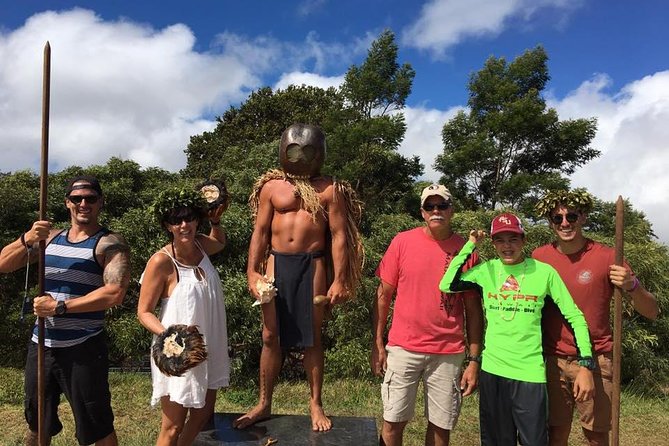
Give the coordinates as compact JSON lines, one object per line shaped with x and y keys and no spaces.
{"x":435,"y":189}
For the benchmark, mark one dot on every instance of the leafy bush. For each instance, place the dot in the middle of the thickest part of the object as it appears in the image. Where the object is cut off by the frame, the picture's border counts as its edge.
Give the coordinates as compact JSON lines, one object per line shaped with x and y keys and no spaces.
{"x":129,"y":341}
{"x":348,"y":331}
{"x":244,"y":328}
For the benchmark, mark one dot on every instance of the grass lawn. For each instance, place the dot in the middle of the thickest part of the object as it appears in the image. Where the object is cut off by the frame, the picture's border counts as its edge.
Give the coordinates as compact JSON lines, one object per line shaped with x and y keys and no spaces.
{"x":644,"y":420}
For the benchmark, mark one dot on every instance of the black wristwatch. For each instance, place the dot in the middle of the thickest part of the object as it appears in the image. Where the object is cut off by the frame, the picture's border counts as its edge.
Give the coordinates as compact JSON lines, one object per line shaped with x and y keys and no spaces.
{"x":474,"y":358}
{"x":61,"y":309}
{"x":588,"y":362}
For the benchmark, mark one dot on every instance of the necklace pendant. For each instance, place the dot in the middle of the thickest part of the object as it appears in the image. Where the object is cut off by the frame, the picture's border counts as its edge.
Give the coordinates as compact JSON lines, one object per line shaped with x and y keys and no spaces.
{"x":511,"y":284}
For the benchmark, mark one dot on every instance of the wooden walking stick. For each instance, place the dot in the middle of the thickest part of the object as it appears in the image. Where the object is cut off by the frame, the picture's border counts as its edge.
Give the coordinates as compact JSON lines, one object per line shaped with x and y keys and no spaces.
{"x":617,"y":327}
{"x":46,"y":90}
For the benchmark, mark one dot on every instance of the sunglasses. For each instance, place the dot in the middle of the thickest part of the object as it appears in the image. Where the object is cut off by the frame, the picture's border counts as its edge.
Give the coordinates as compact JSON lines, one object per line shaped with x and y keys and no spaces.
{"x":77,"y":199}
{"x":440,"y":206}
{"x":559,"y":218}
{"x":177,"y":220}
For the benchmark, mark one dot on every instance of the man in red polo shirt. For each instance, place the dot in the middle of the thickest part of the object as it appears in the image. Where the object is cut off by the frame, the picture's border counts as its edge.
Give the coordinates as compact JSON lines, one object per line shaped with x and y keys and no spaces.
{"x":426,"y":340}
{"x":589,"y":271}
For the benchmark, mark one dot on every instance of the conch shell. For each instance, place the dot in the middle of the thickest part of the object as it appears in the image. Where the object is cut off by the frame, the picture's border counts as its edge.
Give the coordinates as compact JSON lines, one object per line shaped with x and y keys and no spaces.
{"x":171,"y":346}
{"x":266,"y":290}
{"x":321,"y":299}
{"x":210,"y":193}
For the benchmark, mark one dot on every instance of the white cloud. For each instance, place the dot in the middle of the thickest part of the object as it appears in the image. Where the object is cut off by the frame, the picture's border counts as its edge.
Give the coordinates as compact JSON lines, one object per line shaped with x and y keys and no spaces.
{"x":633,"y":137}
{"x":423,"y":136}
{"x":268,"y":53}
{"x":117,"y":89}
{"x":260,"y":52}
{"x":307,"y":7}
{"x":312,"y":79}
{"x":444,"y":23}
{"x":632,"y":134}
{"x":120,"y":88}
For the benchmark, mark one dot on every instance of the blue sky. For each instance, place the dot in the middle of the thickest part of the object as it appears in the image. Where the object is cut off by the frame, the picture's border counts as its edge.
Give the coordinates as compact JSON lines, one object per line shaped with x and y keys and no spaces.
{"x":136,"y":79}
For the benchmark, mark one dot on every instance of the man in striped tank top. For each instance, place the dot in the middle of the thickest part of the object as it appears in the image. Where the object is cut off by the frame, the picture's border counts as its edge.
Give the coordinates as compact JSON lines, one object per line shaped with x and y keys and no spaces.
{"x":86,"y":272}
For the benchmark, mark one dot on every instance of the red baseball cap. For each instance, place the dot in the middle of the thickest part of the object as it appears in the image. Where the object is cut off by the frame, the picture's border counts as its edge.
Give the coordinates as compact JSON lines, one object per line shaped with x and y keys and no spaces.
{"x":506,"y":222}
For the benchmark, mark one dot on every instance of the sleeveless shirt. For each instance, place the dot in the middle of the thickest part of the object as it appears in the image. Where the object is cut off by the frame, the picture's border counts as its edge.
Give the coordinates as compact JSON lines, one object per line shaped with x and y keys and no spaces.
{"x":71,"y":271}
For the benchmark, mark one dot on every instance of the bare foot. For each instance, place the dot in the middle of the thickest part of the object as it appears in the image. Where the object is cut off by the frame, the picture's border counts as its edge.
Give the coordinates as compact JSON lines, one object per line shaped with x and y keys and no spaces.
{"x":254,"y":415}
{"x":319,"y":422}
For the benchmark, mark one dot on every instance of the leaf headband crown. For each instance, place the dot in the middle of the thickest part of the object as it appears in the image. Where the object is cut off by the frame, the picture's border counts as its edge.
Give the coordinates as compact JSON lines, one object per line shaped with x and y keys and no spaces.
{"x":577,"y":199}
{"x":176,"y":198}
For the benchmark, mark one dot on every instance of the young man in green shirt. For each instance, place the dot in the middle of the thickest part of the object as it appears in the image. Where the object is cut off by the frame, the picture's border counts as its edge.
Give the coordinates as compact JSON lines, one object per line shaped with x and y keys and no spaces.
{"x":512,"y":382}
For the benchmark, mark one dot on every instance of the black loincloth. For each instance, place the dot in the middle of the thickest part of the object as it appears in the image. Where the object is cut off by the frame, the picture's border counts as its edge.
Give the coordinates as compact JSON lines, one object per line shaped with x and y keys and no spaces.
{"x":294,"y":280}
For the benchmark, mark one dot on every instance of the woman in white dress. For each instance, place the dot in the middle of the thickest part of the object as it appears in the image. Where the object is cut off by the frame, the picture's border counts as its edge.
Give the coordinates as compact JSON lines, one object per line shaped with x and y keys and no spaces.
{"x":183,"y":280}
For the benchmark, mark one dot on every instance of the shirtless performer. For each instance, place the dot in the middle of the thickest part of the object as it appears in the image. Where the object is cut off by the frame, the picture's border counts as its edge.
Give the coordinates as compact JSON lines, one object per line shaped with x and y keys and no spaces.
{"x":294,"y":210}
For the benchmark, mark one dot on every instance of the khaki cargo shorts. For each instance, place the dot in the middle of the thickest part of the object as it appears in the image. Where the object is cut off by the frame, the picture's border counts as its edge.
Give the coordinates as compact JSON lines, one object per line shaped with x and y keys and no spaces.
{"x":441,"y":384}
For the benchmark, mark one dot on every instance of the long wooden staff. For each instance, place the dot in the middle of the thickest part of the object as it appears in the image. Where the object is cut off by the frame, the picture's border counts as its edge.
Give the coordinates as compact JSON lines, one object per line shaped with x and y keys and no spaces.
{"x":46,"y":91}
{"x":617,"y":327}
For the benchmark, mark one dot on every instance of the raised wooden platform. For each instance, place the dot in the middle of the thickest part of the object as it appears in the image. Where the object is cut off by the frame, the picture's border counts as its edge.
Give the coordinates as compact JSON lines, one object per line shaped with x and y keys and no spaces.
{"x":289,"y":430}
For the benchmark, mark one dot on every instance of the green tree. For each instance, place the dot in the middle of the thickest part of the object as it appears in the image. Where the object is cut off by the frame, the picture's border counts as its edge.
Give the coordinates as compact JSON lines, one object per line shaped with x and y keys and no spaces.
{"x":19,"y":204}
{"x":380,"y":85}
{"x":637,"y":227}
{"x":373,"y":127}
{"x":509,"y":146}
{"x":259,"y":120}
{"x":362,"y":121}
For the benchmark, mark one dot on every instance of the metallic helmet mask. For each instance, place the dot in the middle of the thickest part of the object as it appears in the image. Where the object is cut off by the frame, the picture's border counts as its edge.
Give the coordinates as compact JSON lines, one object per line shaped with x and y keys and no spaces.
{"x":302,"y":150}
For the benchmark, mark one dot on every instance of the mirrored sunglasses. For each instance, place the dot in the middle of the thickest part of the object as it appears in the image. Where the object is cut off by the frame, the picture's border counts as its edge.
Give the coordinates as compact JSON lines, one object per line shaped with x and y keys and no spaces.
{"x":559,"y":218}
{"x":77,"y":199}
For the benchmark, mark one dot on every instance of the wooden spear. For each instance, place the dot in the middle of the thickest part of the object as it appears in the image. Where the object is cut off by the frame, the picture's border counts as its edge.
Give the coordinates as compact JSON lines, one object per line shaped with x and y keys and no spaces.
{"x":46,"y":91}
{"x":617,"y":327}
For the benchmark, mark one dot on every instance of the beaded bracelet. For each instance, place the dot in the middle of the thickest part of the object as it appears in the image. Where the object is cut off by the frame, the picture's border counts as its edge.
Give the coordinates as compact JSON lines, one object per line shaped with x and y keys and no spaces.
{"x":635,"y":285}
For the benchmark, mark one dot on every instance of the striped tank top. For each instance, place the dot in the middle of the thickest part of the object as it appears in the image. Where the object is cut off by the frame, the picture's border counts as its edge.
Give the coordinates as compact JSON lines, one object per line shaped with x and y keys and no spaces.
{"x":71,"y":271}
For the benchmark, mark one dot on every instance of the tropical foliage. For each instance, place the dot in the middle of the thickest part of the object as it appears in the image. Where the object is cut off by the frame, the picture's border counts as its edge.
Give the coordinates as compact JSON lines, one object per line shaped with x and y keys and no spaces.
{"x":509,"y":146}
{"x":507,"y":125}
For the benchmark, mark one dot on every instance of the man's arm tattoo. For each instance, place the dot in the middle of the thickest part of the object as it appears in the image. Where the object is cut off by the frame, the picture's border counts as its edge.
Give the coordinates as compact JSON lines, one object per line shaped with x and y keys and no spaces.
{"x":117,"y":262}
{"x":117,"y":271}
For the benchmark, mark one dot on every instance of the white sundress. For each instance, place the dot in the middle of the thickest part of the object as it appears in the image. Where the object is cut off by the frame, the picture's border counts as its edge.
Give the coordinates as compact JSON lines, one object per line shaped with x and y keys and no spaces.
{"x":195,"y":301}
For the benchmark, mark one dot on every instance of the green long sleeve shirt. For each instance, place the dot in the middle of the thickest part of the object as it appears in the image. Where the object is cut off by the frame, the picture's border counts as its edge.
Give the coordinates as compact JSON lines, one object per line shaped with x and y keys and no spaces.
{"x":513,"y":296}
